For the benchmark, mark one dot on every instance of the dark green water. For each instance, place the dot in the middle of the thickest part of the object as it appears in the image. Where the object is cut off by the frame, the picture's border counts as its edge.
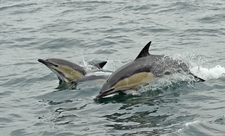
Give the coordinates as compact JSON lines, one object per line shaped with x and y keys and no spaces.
{"x":85,"y":32}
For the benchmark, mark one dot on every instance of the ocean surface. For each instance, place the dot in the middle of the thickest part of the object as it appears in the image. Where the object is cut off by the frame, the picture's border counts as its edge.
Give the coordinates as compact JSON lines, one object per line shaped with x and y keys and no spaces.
{"x":33,"y":103}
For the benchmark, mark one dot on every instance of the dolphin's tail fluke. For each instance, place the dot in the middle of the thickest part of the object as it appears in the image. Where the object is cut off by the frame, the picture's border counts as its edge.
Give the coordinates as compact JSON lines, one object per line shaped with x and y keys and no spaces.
{"x":196,"y":77}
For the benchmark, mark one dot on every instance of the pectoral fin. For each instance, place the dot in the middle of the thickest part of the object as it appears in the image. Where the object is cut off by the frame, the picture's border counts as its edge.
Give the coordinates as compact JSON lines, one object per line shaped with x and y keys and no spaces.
{"x":196,"y":77}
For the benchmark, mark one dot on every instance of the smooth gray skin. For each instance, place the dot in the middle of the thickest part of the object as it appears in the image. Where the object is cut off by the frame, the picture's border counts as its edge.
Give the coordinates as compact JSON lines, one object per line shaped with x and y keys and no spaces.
{"x":68,"y":71}
{"x":158,"y":65}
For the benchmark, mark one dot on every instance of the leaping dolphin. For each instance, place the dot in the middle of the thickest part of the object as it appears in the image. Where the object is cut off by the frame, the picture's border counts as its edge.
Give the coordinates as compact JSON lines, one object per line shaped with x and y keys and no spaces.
{"x":66,"y":70}
{"x":141,"y":71}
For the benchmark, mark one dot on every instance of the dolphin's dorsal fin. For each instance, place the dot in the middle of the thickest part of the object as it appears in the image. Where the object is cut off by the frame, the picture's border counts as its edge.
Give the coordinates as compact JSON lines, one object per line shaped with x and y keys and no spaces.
{"x":144,"y":52}
{"x":101,"y":64}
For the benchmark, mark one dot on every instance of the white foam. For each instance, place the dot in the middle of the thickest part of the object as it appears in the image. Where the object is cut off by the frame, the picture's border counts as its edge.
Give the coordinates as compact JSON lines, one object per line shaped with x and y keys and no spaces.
{"x":92,"y":70}
{"x":209,"y":73}
{"x":186,"y":125}
{"x":191,"y":123}
{"x":99,"y":73}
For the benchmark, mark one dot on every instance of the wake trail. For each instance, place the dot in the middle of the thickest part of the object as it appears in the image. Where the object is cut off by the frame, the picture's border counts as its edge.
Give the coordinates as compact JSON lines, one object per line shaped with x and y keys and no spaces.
{"x":209,"y":73}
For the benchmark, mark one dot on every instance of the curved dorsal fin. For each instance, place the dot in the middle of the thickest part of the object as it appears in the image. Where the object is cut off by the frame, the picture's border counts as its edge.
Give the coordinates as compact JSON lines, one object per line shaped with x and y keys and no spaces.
{"x":101,"y":64}
{"x":144,"y":52}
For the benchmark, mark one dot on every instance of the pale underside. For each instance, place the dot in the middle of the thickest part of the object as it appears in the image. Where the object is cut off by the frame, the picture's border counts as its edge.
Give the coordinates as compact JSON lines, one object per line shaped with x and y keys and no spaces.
{"x":68,"y":73}
{"x":133,"y":82}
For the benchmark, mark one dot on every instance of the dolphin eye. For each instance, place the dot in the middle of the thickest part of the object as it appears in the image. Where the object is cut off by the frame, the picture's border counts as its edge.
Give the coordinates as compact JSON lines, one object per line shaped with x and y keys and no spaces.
{"x":55,"y":65}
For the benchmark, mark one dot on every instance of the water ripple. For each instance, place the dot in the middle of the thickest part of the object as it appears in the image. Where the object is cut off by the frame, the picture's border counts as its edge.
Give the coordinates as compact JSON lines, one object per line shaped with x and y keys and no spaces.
{"x":33,"y":103}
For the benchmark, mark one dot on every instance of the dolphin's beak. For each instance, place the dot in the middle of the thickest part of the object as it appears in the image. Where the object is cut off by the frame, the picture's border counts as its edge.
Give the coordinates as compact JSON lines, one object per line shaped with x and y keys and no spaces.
{"x":109,"y":91}
{"x":52,"y":66}
{"x":47,"y":63}
{"x":42,"y":61}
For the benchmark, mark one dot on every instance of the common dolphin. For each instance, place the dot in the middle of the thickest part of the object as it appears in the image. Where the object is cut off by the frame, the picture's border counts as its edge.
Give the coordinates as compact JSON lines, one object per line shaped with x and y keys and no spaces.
{"x":141,"y":71}
{"x":66,"y":70}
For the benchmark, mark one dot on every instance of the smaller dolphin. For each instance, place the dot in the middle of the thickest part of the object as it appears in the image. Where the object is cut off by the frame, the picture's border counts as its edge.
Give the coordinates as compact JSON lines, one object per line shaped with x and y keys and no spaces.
{"x":66,"y":70}
{"x":145,"y":68}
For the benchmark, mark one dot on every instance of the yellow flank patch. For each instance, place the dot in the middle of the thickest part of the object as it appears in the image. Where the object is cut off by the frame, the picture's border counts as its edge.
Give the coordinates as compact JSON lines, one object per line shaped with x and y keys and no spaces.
{"x":69,"y":73}
{"x":134,"y":81}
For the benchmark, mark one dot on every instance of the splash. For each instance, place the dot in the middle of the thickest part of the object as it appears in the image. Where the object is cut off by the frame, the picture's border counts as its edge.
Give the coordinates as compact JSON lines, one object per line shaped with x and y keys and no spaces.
{"x":88,"y":67}
{"x":84,"y":62}
{"x":209,"y":73}
{"x":186,"y":125}
{"x":176,"y":80}
{"x":92,"y":70}
{"x":196,"y":62}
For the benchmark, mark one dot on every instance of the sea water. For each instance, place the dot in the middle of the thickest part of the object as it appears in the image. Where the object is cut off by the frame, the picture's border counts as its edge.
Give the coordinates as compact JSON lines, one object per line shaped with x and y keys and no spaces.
{"x":32,"y":102}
